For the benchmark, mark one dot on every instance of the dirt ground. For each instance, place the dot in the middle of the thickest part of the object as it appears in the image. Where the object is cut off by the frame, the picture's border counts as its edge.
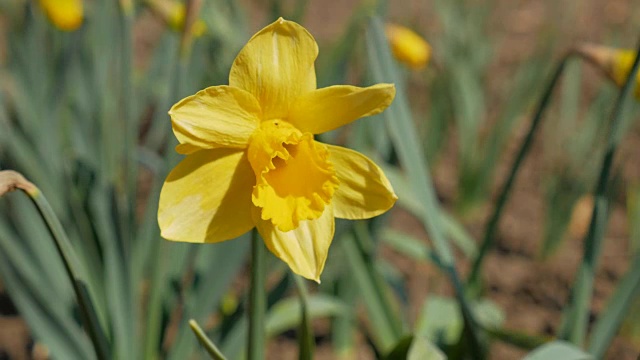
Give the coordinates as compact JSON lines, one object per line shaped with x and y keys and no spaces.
{"x":531,"y":292}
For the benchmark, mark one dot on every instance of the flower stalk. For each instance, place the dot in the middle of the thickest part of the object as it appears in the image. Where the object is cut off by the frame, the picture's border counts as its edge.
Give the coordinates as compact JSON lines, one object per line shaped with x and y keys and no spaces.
{"x":257,"y":300}
{"x":578,"y":314}
{"x":208,"y":345}
{"x":10,"y":181}
{"x":490,"y":232}
{"x":306,"y":343}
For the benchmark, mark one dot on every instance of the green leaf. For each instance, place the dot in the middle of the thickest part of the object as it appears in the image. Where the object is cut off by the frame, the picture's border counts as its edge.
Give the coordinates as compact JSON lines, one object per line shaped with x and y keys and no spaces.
{"x":405,"y":139}
{"x":441,"y":322}
{"x":382,"y":328}
{"x":575,"y":322}
{"x":117,"y":280}
{"x":423,"y":349}
{"x":52,"y":324}
{"x":344,"y":325}
{"x":617,"y":309}
{"x":216,"y":267}
{"x":401,"y":349}
{"x":558,"y":350}
{"x":415,"y":348}
{"x":410,"y":201}
{"x":407,"y":245}
{"x":57,"y":330}
{"x":285,"y":314}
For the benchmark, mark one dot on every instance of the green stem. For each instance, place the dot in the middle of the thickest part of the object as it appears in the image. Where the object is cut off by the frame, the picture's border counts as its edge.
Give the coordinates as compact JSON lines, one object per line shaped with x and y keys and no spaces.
{"x":343,"y":329}
{"x":129,"y":127}
{"x":257,"y":300}
{"x":366,"y":246}
{"x":10,"y":180}
{"x":384,"y":336}
{"x":65,"y":250}
{"x":306,"y":341}
{"x":206,"y":343}
{"x":578,"y":314}
{"x":490,"y":232}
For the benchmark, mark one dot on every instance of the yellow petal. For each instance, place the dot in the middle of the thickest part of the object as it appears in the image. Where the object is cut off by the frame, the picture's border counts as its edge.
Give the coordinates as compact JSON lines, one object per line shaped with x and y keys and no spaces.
{"x":276,"y":66}
{"x":364,"y":190}
{"x":218,"y":116}
{"x":207,"y":197}
{"x":622,"y":65}
{"x":294,"y":179}
{"x":66,"y":15}
{"x":331,"y":107}
{"x":305,"y":248}
{"x":408,"y":47}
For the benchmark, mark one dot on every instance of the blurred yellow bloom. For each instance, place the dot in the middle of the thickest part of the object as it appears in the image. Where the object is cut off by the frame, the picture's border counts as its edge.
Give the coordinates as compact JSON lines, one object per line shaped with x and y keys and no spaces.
{"x":622,"y":64}
{"x":176,"y":20}
{"x":174,"y":13}
{"x":581,"y":216}
{"x":615,"y":63}
{"x":252,"y":160}
{"x":64,"y":14}
{"x":408,"y":47}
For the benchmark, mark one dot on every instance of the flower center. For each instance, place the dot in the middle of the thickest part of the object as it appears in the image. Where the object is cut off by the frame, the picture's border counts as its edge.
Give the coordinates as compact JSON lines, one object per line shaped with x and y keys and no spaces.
{"x":294,"y":178}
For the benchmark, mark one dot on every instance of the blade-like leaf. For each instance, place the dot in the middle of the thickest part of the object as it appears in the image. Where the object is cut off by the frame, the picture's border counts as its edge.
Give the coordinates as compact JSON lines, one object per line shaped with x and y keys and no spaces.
{"x":558,"y":350}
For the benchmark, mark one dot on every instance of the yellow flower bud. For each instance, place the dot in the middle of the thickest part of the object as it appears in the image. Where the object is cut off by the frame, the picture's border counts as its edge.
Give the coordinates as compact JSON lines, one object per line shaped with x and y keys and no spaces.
{"x":581,"y":216}
{"x":408,"y":47}
{"x":622,"y":64}
{"x":66,"y":15}
{"x":615,"y":63}
{"x":174,"y":13}
{"x":229,"y":303}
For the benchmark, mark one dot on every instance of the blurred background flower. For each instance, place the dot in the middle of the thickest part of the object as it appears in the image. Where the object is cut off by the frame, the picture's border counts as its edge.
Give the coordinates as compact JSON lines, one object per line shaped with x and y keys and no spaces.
{"x":408,"y":47}
{"x":615,"y":63}
{"x":66,"y":15}
{"x":173,"y":13}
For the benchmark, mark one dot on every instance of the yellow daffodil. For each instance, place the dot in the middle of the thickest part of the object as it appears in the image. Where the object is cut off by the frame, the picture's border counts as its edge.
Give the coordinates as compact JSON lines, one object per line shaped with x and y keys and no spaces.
{"x":252,"y":160}
{"x":615,"y":63}
{"x":66,"y":15}
{"x":408,"y":47}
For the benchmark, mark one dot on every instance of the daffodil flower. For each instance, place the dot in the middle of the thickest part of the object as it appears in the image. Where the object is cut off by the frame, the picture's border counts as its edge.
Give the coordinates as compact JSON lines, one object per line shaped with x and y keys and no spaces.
{"x":66,"y":15}
{"x":252,"y":160}
{"x":408,"y":47}
{"x":613,"y":62}
{"x":622,"y":64}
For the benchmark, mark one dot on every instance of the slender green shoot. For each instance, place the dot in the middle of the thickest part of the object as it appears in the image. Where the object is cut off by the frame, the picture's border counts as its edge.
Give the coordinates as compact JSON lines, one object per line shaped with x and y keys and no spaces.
{"x":492,"y":226}
{"x":617,"y":309}
{"x":578,"y":314}
{"x":11,"y":180}
{"x":206,"y":343}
